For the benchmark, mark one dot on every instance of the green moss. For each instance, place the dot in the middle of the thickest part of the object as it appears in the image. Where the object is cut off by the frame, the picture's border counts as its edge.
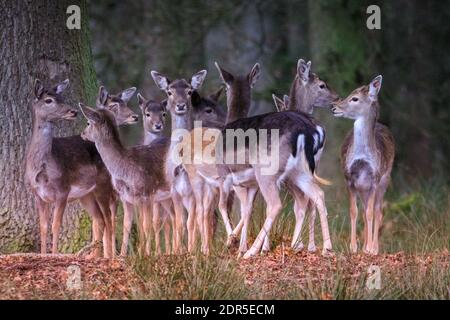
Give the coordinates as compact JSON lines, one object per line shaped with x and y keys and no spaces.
{"x":81,"y":235}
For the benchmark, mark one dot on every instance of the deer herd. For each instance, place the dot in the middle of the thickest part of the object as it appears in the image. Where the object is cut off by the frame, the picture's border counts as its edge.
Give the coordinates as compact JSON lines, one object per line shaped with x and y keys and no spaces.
{"x":179,"y":198}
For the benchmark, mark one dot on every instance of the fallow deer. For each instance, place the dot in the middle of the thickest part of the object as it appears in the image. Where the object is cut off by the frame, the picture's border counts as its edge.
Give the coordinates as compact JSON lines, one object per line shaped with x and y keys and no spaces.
{"x":367,"y":155}
{"x":206,"y":178}
{"x":60,"y":170}
{"x":135,"y":172}
{"x":179,"y":104}
{"x":300,"y":143}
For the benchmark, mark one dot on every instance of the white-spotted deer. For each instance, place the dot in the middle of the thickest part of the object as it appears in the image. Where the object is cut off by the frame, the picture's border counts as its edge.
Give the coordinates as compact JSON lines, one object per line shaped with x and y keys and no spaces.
{"x":367,"y":155}
{"x":207,"y":178}
{"x":179,"y":104}
{"x":136,"y":172}
{"x":60,"y":170}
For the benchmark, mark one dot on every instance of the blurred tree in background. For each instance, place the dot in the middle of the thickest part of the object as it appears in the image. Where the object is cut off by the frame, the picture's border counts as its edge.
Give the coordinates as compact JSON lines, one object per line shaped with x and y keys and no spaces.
{"x":130,"y":38}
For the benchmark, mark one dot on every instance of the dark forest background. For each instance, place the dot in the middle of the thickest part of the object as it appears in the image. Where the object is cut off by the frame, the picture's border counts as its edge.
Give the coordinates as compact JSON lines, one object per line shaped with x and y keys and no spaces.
{"x":129,"y":38}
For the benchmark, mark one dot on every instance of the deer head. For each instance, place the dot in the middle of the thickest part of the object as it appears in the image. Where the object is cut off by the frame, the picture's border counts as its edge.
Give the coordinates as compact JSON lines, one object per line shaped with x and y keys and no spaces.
{"x":49,"y":105}
{"x":309,"y":91}
{"x":281,"y":105}
{"x":238,"y":91}
{"x":207,"y":109}
{"x":179,"y":92}
{"x":153,"y":114}
{"x":118,"y":105}
{"x":101,"y":125}
{"x":361,"y":103}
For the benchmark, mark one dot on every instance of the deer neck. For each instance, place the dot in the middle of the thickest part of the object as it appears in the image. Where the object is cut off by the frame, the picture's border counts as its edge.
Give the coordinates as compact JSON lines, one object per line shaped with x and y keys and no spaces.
{"x":149,"y":137}
{"x":112,"y":153}
{"x":299,"y":98}
{"x":238,"y":108}
{"x":41,"y":140}
{"x":364,"y":142}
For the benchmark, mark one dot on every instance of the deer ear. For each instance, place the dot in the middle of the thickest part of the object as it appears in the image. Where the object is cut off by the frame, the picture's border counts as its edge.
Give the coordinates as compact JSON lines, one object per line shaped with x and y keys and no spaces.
{"x":141,"y":101}
{"x":89,"y":113}
{"x":198,"y":78}
{"x":60,"y":87}
{"x":303,"y":69}
{"x":227,"y":78}
{"x":38,"y":89}
{"x":161,"y":81}
{"x":254,"y":74}
{"x":102,"y":97}
{"x":374,"y":87}
{"x":127,"y":94}
{"x":278,"y":103}
{"x":216,"y":95}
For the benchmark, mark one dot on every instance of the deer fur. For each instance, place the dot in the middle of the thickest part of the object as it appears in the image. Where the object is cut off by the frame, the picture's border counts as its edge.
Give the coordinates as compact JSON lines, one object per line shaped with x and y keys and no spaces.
{"x":367,"y":156}
{"x":206,"y":180}
{"x":60,"y":170}
{"x":135,"y":171}
{"x":179,"y":104}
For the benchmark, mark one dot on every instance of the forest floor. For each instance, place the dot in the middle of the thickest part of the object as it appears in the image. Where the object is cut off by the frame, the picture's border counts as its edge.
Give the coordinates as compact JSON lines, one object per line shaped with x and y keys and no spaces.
{"x":280,"y":274}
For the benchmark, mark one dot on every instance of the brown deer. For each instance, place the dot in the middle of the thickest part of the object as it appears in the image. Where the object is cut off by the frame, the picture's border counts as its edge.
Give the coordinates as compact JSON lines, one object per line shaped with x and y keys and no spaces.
{"x":60,"y":170}
{"x":206,"y":178}
{"x":367,"y":155}
{"x":300,"y":143}
{"x":179,"y":104}
{"x":135,"y":172}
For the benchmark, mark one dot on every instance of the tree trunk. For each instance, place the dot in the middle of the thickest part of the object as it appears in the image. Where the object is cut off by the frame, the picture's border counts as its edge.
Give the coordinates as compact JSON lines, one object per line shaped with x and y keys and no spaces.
{"x":37,"y":44}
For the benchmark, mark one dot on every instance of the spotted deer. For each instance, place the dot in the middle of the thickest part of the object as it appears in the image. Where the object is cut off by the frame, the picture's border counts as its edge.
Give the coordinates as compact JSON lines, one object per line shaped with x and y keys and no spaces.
{"x":300,"y":142}
{"x":206,"y":178}
{"x":60,"y":170}
{"x":367,"y":155}
{"x":179,"y":104}
{"x":135,"y":172}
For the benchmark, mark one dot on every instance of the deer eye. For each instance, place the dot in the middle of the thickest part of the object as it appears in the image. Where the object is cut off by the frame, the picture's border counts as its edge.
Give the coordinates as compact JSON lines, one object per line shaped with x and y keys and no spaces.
{"x":147,"y":114}
{"x":355,"y":99}
{"x":48,"y":101}
{"x":164,"y":114}
{"x":189,"y":92}
{"x":209,"y":110}
{"x":169,"y":93}
{"x":322,"y":86}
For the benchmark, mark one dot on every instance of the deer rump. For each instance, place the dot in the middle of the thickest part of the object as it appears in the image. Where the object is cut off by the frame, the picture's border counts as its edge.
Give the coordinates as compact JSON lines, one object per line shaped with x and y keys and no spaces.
{"x":298,"y":129}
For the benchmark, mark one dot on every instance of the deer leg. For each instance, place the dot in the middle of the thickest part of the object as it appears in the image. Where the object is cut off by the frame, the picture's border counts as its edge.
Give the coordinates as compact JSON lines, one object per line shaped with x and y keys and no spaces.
{"x":208,"y":215}
{"x":315,"y":193}
{"x":271,"y":195}
{"x":157,"y":227}
{"x":168,"y":220}
{"x":190,"y":204}
{"x":113,"y":209}
{"x":103,"y":204}
{"x":58,"y":212}
{"x":369,"y":206}
{"x":312,"y":222}
{"x":242,"y":194}
{"x":378,"y":206}
{"x":300,"y":204}
{"x":147,"y":226}
{"x":44,"y":210}
{"x":128,"y":212}
{"x":224,"y":203}
{"x":353,"y":218}
{"x":90,"y":204}
{"x":179,"y":223}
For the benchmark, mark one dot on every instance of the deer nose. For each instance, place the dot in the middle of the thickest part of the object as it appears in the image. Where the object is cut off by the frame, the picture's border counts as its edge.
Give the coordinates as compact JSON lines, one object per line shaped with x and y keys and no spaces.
{"x":158,"y":126}
{"x":73,"y":113}
{"x":135,"y":117}
{"x":181,"y":106}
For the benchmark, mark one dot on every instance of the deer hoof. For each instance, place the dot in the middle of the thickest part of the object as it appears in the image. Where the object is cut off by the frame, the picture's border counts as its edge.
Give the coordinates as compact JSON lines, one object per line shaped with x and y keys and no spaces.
{"x":232,"y":241}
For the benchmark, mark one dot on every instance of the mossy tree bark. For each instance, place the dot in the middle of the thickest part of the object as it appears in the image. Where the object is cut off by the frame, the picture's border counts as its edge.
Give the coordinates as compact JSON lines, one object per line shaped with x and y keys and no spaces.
{"x":37,"y":44}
